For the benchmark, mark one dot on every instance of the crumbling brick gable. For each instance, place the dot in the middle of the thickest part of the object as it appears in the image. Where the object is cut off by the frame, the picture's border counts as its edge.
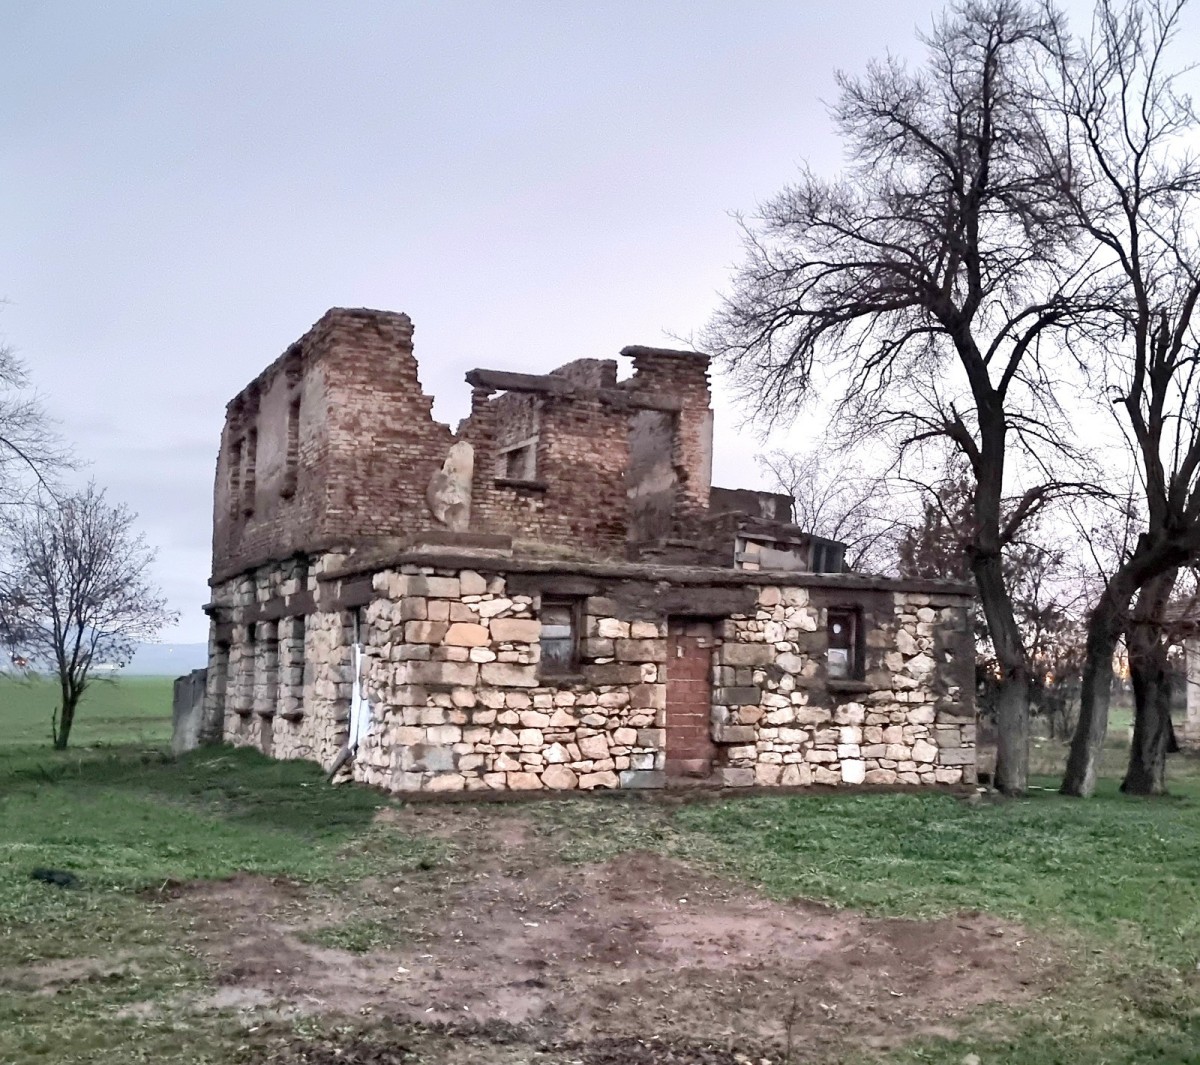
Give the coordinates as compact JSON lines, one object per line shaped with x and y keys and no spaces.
{"x":332,"y":443}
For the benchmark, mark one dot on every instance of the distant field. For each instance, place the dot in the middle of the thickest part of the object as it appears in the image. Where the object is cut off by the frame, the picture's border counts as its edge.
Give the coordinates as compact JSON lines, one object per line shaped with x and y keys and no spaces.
{"x":127,"y":710}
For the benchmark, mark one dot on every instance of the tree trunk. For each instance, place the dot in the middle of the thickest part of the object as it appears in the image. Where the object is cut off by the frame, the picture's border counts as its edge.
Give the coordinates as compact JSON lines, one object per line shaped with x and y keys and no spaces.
{"x":1153,"y":735}
{"x":1104,"y":630}
{"x":1012,"y":689}
{"x":66,"y":719}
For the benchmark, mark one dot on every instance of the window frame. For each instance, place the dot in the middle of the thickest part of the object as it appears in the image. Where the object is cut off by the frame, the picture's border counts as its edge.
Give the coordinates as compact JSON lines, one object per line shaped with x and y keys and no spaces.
{"x":854,"y":646}
{"x":574,"y":607}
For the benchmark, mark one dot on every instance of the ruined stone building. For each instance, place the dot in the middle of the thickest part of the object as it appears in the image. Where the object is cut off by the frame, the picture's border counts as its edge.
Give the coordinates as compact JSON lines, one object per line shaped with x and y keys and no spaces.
{"x":553,"y":595}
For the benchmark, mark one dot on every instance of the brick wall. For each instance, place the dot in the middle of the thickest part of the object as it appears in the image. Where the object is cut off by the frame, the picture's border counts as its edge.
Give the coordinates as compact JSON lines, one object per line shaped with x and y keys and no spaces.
{"x":332,"y":443}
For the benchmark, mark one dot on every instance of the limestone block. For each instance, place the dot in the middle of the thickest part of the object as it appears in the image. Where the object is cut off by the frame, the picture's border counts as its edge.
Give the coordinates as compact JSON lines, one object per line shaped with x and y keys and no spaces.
{"x":746,"y":654}
{"x":652,"y":737}
{"x":644,"y":630}
{"x":643,"y":778}
{"x":794,"y":736}
{"x":947,"y":775}
{"x":424,"y":631}
{"x":766,"y":774}
{"x":736,"y":778}
{"x":956,"y":756}
{"x":906,"y":643}
{"x":612,"y":628}
{"x":790,"y":663}
{"x":593,"y":746}
{"x":849,"y":750}
{"x":530,"y":737}
{"x":445,"y":782}
{"x":478,"y":654}
{"x":625,"y":737}
{"x":881,"y":776}
{"x":733,"y":733}
{"x":796,"y":775}
{"x":472,"y":583}
{"x":924,"y":751}
{"x":505,"y":675}
{"x":605,"y":779}
{"x":641,"y":650}
{"x":447,"y":674}
{"x":465,"y":634}
{"x":821,"y":775}
{"x":556,"y":754}
{"x":768,"y":597}
{"x":850,"y":734}
{"x":853,"y":771}
{"x":489,"y":608}
{"x":524,"y":781}
{"x":558,"y":777}
{"x":516,"y":630}
{"x":811,"y":715}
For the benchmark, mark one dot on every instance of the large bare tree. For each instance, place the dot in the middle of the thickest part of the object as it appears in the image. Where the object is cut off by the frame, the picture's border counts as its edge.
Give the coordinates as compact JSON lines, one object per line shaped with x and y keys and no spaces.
{"x":76,"y":592}
{"x":930,"y":280}
{"x":1134,"y":189}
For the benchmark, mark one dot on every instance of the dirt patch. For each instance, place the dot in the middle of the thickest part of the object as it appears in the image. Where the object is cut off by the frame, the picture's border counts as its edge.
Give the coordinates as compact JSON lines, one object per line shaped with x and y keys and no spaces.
{"x":610,"y":958}
{"x":60,"y":974}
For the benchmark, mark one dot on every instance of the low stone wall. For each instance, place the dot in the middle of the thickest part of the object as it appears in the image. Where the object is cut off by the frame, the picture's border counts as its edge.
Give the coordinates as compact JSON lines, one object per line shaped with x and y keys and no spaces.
{"x":460,"y":700}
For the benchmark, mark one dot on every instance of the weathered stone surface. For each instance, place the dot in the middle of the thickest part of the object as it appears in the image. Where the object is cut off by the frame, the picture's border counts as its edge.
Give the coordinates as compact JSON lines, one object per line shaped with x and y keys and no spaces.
{"x":593,"y":746}
{"x":515,"y":630}
{"x":746,"y":654}
{"x":643,"y":778}
{"x":559,"y":778}
{"x":465,"y":634}
{"x":505,"y":674}
{"x":606,"y":779}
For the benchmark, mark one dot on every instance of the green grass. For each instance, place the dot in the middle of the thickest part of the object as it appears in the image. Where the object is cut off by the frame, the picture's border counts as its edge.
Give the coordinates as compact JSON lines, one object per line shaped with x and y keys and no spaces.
{"x":1113,"y":882}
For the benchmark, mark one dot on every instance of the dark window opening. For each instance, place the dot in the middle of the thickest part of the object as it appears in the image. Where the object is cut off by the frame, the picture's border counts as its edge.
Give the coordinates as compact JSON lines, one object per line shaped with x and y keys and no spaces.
{"x":559,"y":637}
{"x":828,"y":556}
{"x":843,"y":660}
{"x":292,"y":465}
{"x":235,"y":477}
{"x":519,"y":463}
{"x":249,"y":478}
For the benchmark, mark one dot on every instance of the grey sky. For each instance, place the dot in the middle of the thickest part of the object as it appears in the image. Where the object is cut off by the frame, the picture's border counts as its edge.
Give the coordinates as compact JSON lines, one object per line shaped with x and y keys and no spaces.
{"x":187,"y":187}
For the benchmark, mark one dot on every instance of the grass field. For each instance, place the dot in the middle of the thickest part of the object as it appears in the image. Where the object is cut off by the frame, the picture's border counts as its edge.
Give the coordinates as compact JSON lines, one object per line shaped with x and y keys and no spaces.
{"x":1112,"y":884}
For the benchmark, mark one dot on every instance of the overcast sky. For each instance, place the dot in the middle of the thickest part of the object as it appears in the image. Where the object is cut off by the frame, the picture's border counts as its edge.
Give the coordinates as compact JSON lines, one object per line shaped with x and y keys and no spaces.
{"x":188,"y":187}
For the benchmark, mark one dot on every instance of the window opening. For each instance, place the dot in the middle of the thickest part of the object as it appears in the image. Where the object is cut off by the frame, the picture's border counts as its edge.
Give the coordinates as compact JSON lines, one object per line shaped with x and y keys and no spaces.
{"x":843,"y":660}
{"x":559,"y":636}
{"x":249,"y":478}
{"x":292,"y":467}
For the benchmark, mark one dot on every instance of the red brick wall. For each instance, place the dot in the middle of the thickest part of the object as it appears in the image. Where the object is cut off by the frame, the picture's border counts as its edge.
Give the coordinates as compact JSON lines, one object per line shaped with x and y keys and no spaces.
{"x":367,"y":444}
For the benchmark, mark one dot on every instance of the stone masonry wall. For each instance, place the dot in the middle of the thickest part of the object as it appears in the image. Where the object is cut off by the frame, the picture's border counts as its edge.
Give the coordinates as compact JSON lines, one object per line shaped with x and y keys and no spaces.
{"x":460,"y":702}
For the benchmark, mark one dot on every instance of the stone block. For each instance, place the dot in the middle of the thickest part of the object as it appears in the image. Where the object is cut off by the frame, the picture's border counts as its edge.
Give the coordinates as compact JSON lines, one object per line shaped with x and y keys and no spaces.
{"x":956,"y":756}
{"x":471,"y":583}
{"x":489,"y":608}
{"x":652,"y":737}
{"x":746,"y":654}
{"x":516,"y":630}
{"x":467,"y":634}
{"x":432,"y":587}
{"x":605,"y":779}
{"x":508,"y":675}
{"x":524,"y":781}
{"x":593,"y":747}
{"x":625,"y":737}
{"x":424,"y":631}
{"x":643,"y":778}
{"x":611,"y":674}
{"x":853,"y":771}
{"x":558,"y":777}
{"x":796,"y":776}
{"x":765,"y":774}
{"x":736,"y":778}
{"x":444,"y":674}
{"x":745,"y":696}
{"x":734,"y":733}
{"x":445,"y":782}
{"x":641,"y":650}
{"x":880,"y":776}
{"x":923,"y":751}
{"x":644,"y":630}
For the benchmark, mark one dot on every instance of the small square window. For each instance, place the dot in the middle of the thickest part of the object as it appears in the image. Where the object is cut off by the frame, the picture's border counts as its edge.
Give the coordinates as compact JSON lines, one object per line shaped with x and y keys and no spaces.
{"x":559,"y":637}
{"x":843,"y":660}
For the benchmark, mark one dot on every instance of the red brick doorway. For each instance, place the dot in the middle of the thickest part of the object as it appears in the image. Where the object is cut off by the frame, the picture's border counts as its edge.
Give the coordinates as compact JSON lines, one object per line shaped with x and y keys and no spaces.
{"x":690,"y":748}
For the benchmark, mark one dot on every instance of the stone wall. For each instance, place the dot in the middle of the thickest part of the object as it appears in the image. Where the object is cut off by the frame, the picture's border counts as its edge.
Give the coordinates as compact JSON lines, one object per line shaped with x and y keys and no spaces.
{"x":461,"y":701}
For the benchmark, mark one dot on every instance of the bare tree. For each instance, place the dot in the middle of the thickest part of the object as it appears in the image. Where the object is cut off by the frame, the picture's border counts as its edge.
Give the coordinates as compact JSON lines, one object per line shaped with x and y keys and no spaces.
{"x":1132,"y":186}
{"x":76,"y":593}
{"x":835,"y":497}
{"x":932,"y":278}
